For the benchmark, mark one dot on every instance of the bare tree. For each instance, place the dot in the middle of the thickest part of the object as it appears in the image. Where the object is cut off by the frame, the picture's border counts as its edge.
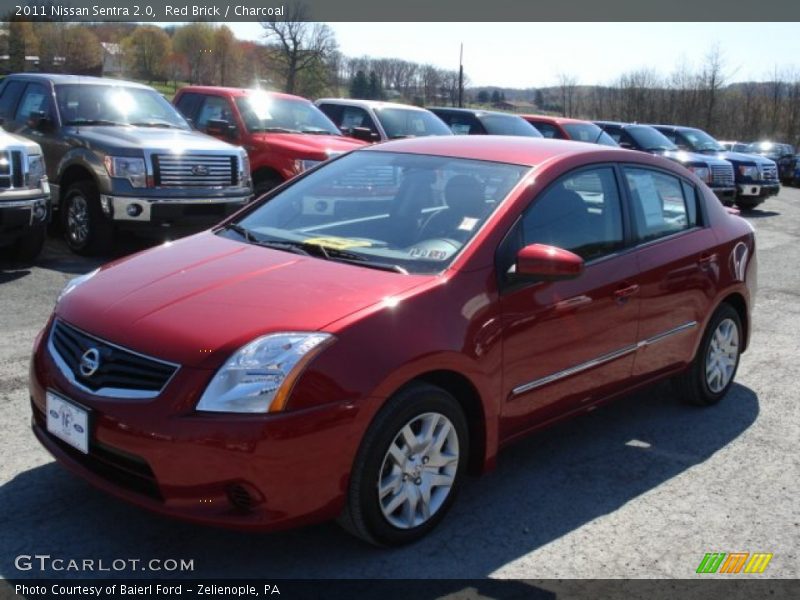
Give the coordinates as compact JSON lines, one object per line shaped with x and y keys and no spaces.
{"x":301,"y":45}
{"x":568,"y":85}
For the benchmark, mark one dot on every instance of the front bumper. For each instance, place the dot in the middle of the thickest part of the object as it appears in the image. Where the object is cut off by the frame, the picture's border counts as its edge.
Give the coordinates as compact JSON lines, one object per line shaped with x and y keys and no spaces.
{"x":725,"y":194}
{"x":20,"y":214}
{"x":757,"y":190}
{"x":258,"y":472}
{"x":170,"y":210}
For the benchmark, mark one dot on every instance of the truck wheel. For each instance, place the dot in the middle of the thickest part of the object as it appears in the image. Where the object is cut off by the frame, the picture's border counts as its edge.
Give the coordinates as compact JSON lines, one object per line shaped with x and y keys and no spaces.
{"x":409,"y":467}
{"x":28,"y":247}
{"x":711,"y":373}
{"x":264,"y":183}
{"x":86,"y":229}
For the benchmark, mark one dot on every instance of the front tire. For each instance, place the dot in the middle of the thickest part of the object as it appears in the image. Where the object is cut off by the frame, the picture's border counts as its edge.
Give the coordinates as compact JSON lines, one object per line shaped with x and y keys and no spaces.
{"x":409,"y":467}
{"x":86,"y":230}
{"x":711,"y":373}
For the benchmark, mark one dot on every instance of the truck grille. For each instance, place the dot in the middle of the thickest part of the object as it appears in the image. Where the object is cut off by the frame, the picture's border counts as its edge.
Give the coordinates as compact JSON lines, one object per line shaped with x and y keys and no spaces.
{"x":11,"y":173}
{"x":120,"y":374}
{"x":170,"y":170}
{"x":722,"y":175}
{"x":769,"y":172}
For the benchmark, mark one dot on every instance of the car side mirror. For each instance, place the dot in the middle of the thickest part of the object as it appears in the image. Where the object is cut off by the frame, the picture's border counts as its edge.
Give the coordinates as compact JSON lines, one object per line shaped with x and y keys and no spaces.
{"x":548,"y":263}
{"x":364,"y":134}
{"x":220,"y":127}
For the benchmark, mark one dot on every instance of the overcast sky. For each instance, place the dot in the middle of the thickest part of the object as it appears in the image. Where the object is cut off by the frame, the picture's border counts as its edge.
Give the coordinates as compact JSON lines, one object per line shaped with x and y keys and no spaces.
{"x":533,"y":54}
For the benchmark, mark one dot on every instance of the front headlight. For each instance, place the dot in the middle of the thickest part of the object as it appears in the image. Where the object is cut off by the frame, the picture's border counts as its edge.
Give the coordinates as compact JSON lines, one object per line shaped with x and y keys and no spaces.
{"x":305,"y":165}
{"x":258,"y":377}
{"x":75,"y":282}
{"x":703,"y":173}
{"x":127,"y":167}
{"x":244,"y":169}
{"x":749,"y":171}
{"x":35,"y":170}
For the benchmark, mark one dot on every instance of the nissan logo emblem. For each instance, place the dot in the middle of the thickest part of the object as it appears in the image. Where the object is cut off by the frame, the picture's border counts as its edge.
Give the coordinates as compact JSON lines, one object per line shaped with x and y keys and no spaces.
{"x":90,"y":362}
{"x":200,"y":170}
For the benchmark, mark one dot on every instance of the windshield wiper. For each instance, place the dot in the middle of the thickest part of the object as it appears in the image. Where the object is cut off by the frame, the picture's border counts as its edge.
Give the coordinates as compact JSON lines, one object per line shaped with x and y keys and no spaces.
{"x":93,"y":122}
{"x":278,"y":130}
{"x":344,"y":256}
{"x":316,"y":131}
{"x":155,"y":124}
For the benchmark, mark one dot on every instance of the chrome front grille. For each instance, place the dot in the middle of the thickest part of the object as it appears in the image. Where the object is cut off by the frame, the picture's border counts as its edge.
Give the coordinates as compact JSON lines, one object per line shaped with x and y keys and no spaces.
{"x":187,"y":170}
{"x":722,"y":175}
{"x":769,"y":172}
{"x":11,"y":169}
{"x":119,"y":373}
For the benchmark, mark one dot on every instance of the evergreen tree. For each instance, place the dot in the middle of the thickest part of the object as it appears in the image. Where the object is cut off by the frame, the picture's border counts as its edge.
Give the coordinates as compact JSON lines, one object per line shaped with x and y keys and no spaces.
{"x":359,"y":86}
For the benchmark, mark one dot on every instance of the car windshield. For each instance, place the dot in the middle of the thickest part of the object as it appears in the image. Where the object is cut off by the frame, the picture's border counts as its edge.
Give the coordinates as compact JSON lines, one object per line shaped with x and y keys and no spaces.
{"x":407,"y":213}
{"x":701,"y":141}
{"x":649,"y":138}
{"x":404,"y":122}
{"x":588,"y":132}
{"x":88,"y":104}
{"x":508,"y":125}
{"x":267,"y":112}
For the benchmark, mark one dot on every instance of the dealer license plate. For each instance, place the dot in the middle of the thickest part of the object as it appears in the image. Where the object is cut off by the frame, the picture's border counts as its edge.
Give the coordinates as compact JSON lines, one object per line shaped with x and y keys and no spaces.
{"x":68,"y":422}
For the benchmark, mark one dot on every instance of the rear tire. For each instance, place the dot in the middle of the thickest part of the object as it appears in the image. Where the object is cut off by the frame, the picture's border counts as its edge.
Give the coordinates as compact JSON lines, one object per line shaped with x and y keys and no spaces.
{"x":711,"y":373}
{"x":408,"y":470}
{"x":86,"y":230}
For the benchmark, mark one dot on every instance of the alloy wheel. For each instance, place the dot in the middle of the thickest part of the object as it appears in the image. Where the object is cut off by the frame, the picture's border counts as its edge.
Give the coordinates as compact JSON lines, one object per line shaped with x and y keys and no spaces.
{"x":78,"y":220}
{"x":723,"y":352}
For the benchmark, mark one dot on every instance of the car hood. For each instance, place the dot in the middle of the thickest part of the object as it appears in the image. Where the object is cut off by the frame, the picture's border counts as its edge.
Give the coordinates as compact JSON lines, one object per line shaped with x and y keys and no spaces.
{"x":197,"y":300}
{"x":315,"y":147}
{"x":151,"y":138}
{"x":743,"y":158}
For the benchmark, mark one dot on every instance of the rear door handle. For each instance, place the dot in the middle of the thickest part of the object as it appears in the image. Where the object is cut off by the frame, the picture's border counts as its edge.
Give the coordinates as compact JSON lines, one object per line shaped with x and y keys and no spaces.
{"x":624,"y":293}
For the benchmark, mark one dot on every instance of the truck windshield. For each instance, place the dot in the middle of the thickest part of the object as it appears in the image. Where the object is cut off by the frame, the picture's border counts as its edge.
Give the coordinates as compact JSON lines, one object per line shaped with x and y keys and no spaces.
{"x":701,"y":141}
{"x":649,"y":138}
{"x":508,"y":125}
{"x":268,"y":113}
{"x":403,"y":122}
{"x":588,"y":132}
{"x":406,"y":213}
{"x":88,"y":104}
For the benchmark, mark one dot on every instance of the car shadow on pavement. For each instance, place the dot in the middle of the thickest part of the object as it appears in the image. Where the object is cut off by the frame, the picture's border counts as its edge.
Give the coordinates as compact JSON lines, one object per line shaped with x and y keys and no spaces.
{"x":544,"y":487}
{"x":10,"y":272}
{"x":760,"y":214}
{"x":57,"y":256}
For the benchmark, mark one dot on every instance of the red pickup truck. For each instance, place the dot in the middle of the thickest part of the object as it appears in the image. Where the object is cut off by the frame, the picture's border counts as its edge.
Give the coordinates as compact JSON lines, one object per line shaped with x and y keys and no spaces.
{"x":284,"y":135}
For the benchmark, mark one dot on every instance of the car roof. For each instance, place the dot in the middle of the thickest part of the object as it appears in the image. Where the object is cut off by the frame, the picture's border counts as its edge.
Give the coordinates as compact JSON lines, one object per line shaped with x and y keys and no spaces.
{"x":59,"y":79}
{"x":553,"y":119}
{"x":519,"y":150}
{"x":374,"y":104}
{"x":619,"y":124}
{"x":675,"y":127}
{"x":478,"y":112}
{"x":236,"y":91}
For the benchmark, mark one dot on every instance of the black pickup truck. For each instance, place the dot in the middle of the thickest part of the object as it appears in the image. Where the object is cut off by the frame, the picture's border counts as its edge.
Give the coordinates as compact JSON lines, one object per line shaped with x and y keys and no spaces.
{"x":715,"y":172}
{"x":119,"y":155}
{"x":756,"y":176}
{"x":24,"y":197}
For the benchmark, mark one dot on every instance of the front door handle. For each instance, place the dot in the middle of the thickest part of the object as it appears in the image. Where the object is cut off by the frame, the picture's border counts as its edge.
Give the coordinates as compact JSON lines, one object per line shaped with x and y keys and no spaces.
{"x":707,"y":258}
{"x":623,"y":293}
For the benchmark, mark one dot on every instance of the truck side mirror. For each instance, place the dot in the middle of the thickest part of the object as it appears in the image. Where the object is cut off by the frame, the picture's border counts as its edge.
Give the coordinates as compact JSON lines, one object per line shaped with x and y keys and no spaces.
{"x":40,"y":121}
{"x":220,"y":127}
{"x":364,"y":134}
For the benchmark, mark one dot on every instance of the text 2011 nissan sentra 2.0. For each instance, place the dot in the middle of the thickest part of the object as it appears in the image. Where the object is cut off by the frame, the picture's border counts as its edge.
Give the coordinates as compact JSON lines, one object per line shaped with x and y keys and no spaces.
{"x":354,"y":343}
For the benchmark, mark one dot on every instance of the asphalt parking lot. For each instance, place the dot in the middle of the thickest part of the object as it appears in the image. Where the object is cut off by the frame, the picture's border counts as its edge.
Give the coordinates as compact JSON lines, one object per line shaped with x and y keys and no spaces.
{"x":641,"y":488}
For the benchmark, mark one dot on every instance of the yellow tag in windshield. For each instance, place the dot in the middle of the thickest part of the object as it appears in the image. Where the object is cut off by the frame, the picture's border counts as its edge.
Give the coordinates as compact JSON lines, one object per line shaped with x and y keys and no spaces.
{"x":337,"y":243}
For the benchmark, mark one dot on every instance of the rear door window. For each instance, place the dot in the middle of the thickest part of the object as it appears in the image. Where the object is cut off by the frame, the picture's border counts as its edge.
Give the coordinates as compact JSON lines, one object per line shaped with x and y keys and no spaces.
{"x":9,"y":97}
{"x":214,"y":108}
{"x":662,"y":204}
{"x":548,"y":130}
{"x":35,"y":100}
{"x":188,"y":104}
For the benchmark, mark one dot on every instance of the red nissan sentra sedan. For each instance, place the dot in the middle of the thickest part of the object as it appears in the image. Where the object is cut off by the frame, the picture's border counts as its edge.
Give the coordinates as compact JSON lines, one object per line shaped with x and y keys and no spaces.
{"x":356,"y":342}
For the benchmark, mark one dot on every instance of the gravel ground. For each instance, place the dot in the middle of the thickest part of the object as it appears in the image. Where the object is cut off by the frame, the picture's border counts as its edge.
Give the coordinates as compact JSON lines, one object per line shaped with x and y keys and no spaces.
{"x":641,"y":488}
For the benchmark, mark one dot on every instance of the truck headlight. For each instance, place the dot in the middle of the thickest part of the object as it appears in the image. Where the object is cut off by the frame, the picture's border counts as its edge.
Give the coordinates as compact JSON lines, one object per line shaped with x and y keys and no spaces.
{"x":244,"y":169}
{"x":127,"y":167}
{"x":305,"y":165}
{"x":35,"y":170}
{"x":259,"y":376}
{"x":749,"y":171}
{"x":704,"y":173}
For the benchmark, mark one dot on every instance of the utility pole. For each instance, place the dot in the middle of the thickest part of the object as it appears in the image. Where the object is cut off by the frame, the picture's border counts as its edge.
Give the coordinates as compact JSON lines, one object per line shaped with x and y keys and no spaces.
{"x":461,"y":77}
